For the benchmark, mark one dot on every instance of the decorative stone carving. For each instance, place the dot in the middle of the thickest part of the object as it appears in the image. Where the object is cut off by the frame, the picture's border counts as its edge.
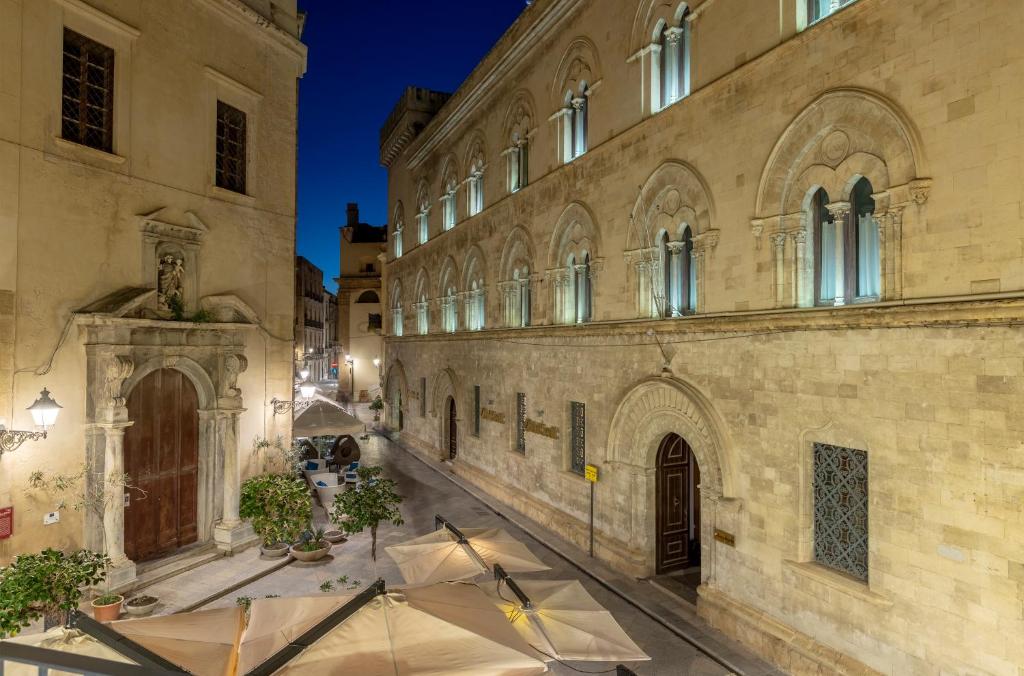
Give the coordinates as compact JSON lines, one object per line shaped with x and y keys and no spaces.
{"x":118,"y":369}
{"x":171,"y":272}
{"x":234,"y":364}
{"x":835,"y":147}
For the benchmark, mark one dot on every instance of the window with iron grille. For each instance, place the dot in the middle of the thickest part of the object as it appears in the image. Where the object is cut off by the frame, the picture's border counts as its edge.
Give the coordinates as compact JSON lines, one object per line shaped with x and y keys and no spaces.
{"x":520,"y":422}
{"x":578,"y":438}
{"x":230,"y":148}
{"x":423,"y":397}
{"x":841,"y":509}
{"x":476,"y":410}
{"x":87,"y":92}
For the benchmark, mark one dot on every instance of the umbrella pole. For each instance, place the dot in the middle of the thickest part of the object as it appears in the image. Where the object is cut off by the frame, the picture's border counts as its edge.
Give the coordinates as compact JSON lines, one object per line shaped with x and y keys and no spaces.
{"x":318,"y":631}
{"x":527,"y":609}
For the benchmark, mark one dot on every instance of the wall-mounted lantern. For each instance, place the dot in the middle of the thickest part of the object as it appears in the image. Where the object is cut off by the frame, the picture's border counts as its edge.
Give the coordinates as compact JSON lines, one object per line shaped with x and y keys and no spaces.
{"x":44,"y":414}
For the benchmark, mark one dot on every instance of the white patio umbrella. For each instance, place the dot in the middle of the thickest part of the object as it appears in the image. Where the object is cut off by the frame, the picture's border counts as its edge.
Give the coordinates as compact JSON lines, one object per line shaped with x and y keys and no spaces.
{"x":65,"y":640}
{"x":450,"y":554}
{"x":440,"y":630}
{"x":562,"y":621}
{"x":324,"y":419}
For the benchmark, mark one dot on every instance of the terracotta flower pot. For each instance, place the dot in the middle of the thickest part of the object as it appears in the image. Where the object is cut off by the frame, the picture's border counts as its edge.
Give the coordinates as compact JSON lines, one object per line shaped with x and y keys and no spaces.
{"x":315,"y":555}
{"x":107,"y":612}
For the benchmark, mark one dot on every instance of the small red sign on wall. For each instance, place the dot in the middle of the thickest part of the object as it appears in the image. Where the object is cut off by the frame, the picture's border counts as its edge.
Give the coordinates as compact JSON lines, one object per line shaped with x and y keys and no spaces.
{"x":6,"y":522}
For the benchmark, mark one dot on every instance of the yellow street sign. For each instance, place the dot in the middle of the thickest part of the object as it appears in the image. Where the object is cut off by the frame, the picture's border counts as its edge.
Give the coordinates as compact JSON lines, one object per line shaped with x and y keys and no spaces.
{"x":590,"y":473}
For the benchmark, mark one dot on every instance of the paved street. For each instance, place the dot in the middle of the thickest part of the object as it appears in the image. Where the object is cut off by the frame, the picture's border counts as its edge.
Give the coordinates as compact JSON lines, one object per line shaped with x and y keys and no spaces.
{"x":427,"y":492}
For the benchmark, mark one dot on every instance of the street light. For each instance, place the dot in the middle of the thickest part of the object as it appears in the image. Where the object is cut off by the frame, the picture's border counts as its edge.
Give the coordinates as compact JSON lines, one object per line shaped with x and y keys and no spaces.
{"x":44,"y":414}
{"x":350,"y":360}
{"x":304,"y":374}
{"x":307,"y":389}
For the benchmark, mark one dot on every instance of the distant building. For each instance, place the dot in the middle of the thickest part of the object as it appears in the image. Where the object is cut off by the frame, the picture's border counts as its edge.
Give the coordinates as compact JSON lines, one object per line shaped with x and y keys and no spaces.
{"x":359,"y":308}
{"x":332,"y":348}
{"x":310,"y":315}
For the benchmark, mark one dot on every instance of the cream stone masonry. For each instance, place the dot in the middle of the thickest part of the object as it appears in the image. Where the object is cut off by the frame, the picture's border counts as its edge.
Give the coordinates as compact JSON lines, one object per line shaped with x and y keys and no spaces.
{"x":886,"y":320}
{"x":119,"y":265}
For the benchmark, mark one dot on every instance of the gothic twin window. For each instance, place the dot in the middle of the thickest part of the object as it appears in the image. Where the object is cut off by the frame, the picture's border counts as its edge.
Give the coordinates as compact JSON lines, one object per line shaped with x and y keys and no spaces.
{"x":518,"y":163}
{"x":679,"y":275}
{"x":422,"y":316}
{"x":841,"y":509}
{"x":672,"y":78}
{"x":518,"y":299}
{"x":575,"y":123}
{"x":475,"y":306}
{"x":87,"y":92}
{"x":231,"y":132}
{"x":578,"y":437}
{"x":397,"y":318}
{"x":577,"y":298}
{"x":847,"y":261}
{"x":476,"y":188}
{"x":448,"y":206}
{"x":450,"y":311}
{"x":398,"y":239}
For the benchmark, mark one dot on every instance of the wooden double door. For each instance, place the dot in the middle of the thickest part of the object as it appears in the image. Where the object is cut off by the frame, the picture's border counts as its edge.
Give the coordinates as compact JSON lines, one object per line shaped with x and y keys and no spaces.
{"x":677,"y":506}
{"x":161,"y":459}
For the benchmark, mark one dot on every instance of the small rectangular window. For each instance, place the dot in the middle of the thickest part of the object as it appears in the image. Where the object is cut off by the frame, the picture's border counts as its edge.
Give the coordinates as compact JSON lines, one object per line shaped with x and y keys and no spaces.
{"x":87,"y":92}
{"x":231,"y":153}
{"x":578,"y":438}
{"x":423,"y":397}
{"x":374,"y":322}
{"x":476,"y":410}
{"x":841,"y":509}
{"x":521,"y":422}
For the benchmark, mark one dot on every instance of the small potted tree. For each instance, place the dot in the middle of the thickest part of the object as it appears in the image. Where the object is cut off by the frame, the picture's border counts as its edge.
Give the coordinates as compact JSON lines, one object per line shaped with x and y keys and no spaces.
{"x":312,"y":546}
{"x":377,"y":405}
{"x":49,"y":584}
{"x":372,"y":501}
{"x":279,"y":507}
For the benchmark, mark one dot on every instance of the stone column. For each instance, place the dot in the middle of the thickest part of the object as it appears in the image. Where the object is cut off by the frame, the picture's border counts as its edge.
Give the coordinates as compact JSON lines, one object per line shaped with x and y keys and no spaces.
{"x":799,"y":272}
{"x":230,"y":532}
{"x":579,"y":126}
{"x":840,"y":211}
{"x":779,"y":247}
{"x":673,"y":294}
{"x":122,"y":570}
{"x":671,"y":76}
{"x":581,"y":292}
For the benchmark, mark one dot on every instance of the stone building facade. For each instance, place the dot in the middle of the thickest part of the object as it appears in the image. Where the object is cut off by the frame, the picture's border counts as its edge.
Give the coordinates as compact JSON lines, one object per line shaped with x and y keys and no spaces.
{"x":760,"y":264}
{"x":310,"y":320}
{"x":360,"y":324}
{"x":147,"y":225}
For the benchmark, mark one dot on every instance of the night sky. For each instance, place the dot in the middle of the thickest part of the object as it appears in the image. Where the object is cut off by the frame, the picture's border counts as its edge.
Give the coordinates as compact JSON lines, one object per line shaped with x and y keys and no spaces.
{"x":362,"y":54}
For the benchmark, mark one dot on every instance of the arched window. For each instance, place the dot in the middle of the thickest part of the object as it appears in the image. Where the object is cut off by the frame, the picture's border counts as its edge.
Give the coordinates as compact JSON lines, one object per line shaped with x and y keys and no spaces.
{"x":847,"y":265}
{"x":678,"y":277}
{"x":397,"y":318}
{"x":450,"y":310}
{"x":688,"y":274}
{"x":397,"y":238}
{"x":575,"y":123}
{"x":368,"y":296}
{"x":475,"y":306}
{"x":422,"y":316}
{"x":673,"y":74}
{"x":518,"y":163}
{"x":423,"y":214}
{"x":448,"y":205}
{"x":476,"y":188}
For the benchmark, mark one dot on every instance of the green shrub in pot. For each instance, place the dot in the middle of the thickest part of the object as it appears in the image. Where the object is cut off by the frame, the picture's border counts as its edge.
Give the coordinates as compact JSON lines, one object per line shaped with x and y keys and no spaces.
{"x":278,"y":506}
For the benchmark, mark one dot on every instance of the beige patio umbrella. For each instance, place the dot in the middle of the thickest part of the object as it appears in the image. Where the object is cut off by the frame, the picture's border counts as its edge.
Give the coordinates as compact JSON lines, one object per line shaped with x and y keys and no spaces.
{"x":223,"y":641}
{"x":64,"y":640}
{"x":322,"y":419}
{"x":448,"y":629}
{"x":559,"y":619}
{"x":451,"y":554}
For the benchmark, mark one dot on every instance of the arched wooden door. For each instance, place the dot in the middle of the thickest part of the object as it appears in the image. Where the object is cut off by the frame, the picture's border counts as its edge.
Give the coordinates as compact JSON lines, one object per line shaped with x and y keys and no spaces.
{"x":677,"y":506}
{"x":161,"y":457}
{"x":453,"y":430}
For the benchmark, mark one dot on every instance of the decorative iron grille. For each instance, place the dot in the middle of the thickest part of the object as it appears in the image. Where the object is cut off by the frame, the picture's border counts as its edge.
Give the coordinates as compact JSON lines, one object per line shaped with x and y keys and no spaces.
{"x":230,"y":148}
{"x":423,"y":397}
{"x":520,"y":422}
{"x":841,"y":509}
{"x":87,"y":92}
{"x":578,"y":428}
{"x":476,"y":410}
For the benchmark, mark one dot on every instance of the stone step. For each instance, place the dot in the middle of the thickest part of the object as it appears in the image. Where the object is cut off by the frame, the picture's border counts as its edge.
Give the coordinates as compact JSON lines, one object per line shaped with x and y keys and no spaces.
{"x":152,"y":572}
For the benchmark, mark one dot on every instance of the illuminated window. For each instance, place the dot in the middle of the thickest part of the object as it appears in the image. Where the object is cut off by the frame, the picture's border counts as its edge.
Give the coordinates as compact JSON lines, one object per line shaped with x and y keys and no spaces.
{"x":575,"y":123}
{"x":819,"y":9}
{"x":230,"y":148}
{"x":672,"y":74}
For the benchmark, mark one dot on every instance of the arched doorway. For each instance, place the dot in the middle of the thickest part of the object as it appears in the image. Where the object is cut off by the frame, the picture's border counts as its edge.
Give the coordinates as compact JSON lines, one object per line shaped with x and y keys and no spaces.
{"x":677,"y":507}
{"x":161,"y":457}
{"x":453,"y":430}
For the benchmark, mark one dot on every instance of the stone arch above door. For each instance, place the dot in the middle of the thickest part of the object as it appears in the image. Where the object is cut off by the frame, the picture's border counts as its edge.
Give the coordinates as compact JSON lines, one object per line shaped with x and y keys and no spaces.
{"x":445,"y":384}
{"x":396,"y":389}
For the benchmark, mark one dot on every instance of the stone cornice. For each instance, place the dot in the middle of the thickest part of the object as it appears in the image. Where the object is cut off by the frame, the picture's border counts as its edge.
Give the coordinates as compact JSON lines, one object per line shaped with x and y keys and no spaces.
{"x":505,"y":57}
{"x":994,"y":310}
{"x":274,"y":34}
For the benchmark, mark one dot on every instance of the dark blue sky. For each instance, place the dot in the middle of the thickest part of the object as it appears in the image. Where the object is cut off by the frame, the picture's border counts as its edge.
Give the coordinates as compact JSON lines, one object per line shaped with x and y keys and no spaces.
{"x":362,"y":54}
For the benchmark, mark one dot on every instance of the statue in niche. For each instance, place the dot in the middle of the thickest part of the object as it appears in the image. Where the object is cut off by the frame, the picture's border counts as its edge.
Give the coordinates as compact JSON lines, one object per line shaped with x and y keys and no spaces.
{"x":169,"y":283}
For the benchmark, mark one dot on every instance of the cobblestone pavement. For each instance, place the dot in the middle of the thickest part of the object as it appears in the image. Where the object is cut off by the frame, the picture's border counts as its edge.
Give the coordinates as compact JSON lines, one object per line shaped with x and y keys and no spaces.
{"x":429,"y":491}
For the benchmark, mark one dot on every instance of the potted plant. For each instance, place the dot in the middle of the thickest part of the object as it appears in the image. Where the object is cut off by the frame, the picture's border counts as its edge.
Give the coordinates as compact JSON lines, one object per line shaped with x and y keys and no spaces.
{"x":279,"y":507}
{"x":335,"y":537}
{"x":312,"y":546}
{"x":107,"y":608}
{"x":377,"y":405}
{"x":372,"y":500}
{"x":140,"y":606}
{"x":49,"y":584}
